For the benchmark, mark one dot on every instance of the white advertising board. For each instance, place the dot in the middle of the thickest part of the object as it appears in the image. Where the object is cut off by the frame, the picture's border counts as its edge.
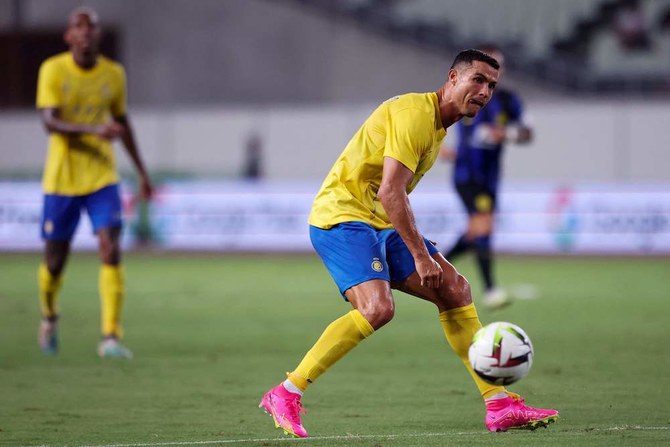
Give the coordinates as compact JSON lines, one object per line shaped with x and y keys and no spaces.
{"x":272,"y":216}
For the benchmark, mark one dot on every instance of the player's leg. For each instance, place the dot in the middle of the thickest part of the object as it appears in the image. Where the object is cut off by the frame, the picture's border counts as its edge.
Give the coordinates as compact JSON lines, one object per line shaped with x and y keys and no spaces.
{"x":353,"y":256}
{"x":459,"y":320}
{"x":111,"y":284}
{"x":373,"y":307}
{"x":464,"y":242}
{"x":480,"y":229}
{"x":461,"y":246}
{"x":60,"y":217}
{"x":104,"y":209}
{"x":457,"y":313}
{"x":50,"y":276}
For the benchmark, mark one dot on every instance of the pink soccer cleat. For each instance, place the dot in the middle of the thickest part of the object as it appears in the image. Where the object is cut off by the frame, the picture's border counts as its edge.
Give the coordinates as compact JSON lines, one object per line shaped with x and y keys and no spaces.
{"x":512,"y":413}
{"x":285,"y":408}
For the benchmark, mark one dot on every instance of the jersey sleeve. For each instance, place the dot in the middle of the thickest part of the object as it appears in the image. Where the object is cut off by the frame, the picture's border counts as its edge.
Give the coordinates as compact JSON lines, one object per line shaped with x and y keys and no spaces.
{"x":49,"y":94}
{"x":118,"y":105}
{"x":409,"y":135}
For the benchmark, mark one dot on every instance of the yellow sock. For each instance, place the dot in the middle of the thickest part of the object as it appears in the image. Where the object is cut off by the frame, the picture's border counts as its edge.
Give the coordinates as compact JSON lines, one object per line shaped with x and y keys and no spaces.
{"x":340,"y":337}
{"x":459,"y":326}
{"x":48,"y":286}
{"x":112,"y":292}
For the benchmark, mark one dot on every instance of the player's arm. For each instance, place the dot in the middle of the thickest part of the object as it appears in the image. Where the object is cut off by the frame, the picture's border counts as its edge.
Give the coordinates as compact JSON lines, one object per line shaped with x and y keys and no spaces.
{"x":519,"y":133}
{"x":54,"y":123}
{"x":393,"y":196}
{"x":517,"y":130}
{"x":128,"y":139}
{"x":514,"y":132}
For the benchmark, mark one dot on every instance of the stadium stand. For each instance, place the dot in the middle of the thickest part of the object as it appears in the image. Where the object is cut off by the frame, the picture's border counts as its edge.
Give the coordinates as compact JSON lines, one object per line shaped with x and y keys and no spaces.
{"x":574,"y":44}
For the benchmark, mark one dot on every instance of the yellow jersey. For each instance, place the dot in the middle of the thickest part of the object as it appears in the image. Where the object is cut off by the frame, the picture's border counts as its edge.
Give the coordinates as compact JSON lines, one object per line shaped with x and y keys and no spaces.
{"x":407,"y":128}
{"x":84,"y":163}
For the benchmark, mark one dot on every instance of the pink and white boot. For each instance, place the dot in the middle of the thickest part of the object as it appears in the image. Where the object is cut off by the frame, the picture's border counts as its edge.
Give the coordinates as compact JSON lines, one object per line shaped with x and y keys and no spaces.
{"x":285,"y":408}
{"x":510,"y":413}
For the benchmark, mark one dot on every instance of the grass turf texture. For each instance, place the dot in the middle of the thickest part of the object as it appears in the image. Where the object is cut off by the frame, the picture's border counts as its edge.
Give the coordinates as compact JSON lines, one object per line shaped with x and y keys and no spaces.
{"x":212,"y":333}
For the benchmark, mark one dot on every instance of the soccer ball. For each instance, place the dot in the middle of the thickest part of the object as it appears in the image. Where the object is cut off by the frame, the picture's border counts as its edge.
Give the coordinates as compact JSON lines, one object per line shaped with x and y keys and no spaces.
{"x":501,"y":353}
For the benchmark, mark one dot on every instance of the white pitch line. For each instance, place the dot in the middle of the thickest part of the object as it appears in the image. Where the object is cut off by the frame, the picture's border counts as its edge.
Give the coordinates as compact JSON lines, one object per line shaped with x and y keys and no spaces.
{"x":341,"y":437}
{"x":287,"y":439}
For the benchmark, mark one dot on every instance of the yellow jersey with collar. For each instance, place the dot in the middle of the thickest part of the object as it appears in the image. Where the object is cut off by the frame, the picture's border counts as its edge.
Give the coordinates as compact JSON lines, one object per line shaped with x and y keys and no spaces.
{"x":406,"y":128}
{"x":84,"y":163}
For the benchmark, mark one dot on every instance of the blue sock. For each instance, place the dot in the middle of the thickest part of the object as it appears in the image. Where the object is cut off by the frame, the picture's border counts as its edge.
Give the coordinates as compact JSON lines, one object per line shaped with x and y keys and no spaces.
{"x":461,"y":246}
{"x":485,"y":259}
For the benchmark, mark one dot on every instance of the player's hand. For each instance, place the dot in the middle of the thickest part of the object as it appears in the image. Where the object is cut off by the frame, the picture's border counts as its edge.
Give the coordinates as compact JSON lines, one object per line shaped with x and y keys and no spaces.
{"x":111,"y":130}
{"x":146,"y":189}
{"x":487,"y":135}
{"x":497,"y":134}
{"x":430,"y":272}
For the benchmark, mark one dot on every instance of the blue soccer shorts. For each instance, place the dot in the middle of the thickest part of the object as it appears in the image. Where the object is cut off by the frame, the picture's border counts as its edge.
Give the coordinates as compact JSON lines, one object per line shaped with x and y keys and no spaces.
{"x":355,"y":252}
{"x":61,"y":214}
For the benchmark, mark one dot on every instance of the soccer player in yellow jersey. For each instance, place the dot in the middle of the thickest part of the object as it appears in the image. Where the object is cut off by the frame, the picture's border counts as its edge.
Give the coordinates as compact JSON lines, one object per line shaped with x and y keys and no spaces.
{"x":81,"y":96}
{"x":364,"y":229}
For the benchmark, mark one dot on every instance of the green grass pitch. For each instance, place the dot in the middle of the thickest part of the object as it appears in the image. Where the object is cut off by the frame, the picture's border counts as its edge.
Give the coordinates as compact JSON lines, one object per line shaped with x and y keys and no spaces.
{"x":211,"y":333}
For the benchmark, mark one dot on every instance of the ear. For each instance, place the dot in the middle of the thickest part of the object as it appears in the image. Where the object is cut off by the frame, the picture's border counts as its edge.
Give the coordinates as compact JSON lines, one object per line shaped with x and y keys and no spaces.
{"x":66,"y":36}
{"x":452,"y":76}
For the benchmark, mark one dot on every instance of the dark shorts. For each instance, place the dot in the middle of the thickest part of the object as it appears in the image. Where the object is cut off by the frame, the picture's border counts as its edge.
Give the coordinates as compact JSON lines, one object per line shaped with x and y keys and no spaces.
{"x":355,"y":252}
{"x":61,"y":214}
{"x":476,"y":198}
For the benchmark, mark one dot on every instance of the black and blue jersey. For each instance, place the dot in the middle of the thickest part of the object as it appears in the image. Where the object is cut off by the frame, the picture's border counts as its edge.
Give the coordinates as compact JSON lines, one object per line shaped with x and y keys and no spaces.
{"x":477,"y":162}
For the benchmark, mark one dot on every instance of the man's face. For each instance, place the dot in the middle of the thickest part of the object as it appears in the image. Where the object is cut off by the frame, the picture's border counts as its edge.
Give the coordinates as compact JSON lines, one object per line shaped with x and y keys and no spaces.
{"x":83,"y":33}
{"x":473,"y":86}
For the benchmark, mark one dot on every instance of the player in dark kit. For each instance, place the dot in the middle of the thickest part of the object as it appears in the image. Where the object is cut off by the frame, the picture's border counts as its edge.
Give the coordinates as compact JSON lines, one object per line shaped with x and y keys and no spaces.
{"x":477,"y":171}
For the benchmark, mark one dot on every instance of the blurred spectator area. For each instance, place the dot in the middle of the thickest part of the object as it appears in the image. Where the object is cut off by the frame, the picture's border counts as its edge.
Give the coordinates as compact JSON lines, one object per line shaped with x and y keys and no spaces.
{"x":22,"y":52}
{"x":205,"y":76}
{"x":250,"y":52}
{"x":584,"y":45}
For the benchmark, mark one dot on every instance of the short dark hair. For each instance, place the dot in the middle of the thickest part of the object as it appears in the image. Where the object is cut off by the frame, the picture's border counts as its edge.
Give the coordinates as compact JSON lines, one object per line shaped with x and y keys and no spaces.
{"x":467,"y":57}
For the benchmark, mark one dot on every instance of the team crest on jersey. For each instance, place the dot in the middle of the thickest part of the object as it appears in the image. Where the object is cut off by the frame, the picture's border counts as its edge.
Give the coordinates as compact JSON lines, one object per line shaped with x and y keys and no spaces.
{"x":377,"y":265}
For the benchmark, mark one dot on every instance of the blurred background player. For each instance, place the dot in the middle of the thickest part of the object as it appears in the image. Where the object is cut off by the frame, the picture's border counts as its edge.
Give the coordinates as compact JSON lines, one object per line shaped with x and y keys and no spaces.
{"x":477,"y":170}
{"x":363,"y":227}
{"x":81,"y":96}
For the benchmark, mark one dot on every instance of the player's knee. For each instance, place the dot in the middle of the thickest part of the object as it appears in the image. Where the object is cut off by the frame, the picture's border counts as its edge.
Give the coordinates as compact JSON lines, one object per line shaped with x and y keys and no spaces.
{"x":379,"y":314}
{"x":55,"y":266}
{"x":456,"y":293}
{"x":462,"y":287}
{"x":55,"y":263}
{"x":110,"y":253}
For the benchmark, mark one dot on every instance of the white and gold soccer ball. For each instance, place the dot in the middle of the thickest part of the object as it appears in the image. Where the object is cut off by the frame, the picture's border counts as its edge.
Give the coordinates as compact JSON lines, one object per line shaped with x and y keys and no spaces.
{"x":501,"y":353}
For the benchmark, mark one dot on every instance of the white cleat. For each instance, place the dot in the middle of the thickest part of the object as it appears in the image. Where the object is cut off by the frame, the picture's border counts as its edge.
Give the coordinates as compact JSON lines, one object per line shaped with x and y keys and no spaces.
{"x":110,"y":347}
{"x":496,"y":298}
